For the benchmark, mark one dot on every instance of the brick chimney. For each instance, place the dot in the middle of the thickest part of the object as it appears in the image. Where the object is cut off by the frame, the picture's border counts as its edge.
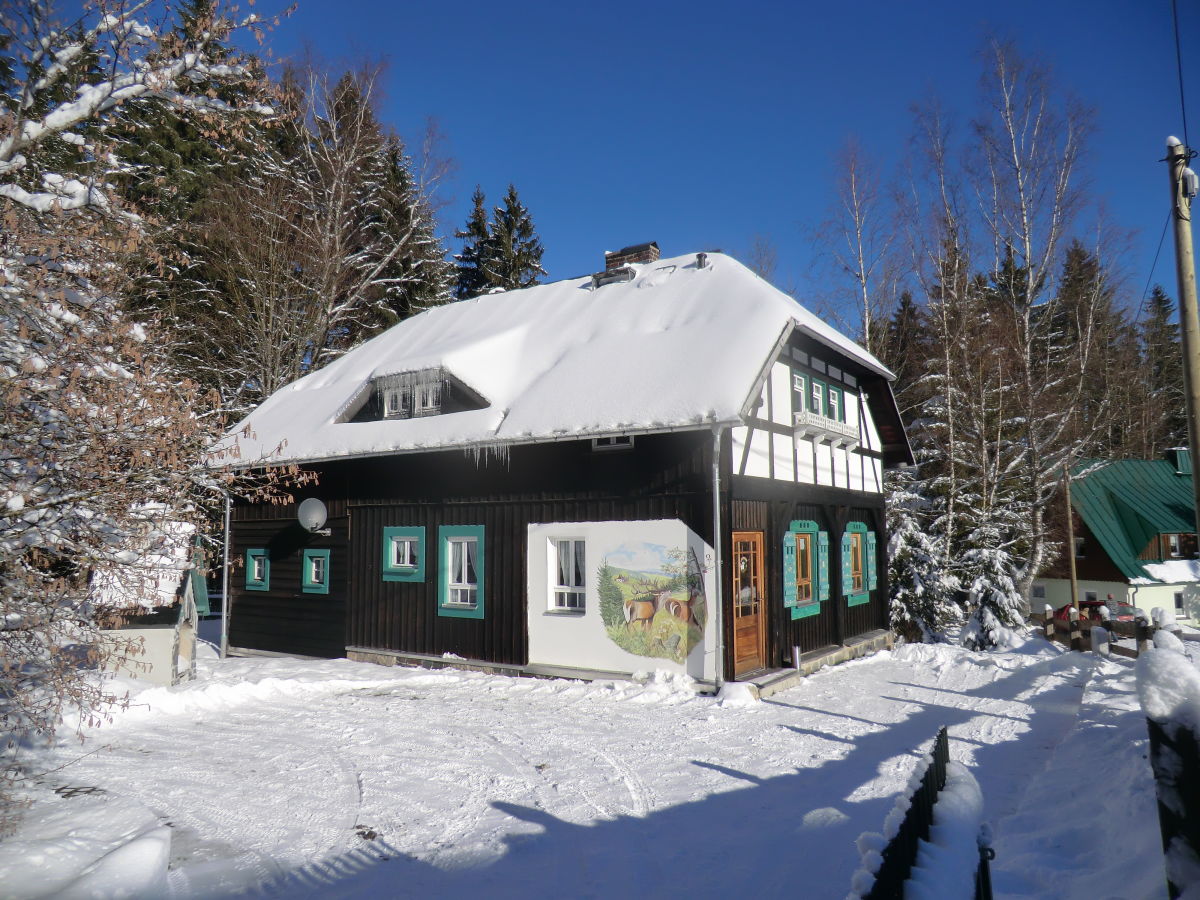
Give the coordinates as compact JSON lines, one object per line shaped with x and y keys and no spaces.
{"x":638,"y":253}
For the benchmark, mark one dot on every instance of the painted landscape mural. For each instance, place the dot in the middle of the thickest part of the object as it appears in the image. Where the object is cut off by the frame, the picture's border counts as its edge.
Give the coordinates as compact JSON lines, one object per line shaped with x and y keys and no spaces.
{"x":652,"y":599}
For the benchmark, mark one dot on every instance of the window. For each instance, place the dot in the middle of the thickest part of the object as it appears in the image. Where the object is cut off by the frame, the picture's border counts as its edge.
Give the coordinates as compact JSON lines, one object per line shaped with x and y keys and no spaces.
{"x":805,"y":568}
{"x":1089,"y":597}
{"x":859,"y":575}
{"x":856,"y":563}
{"x":258,"y":570}
{"x":1179,"y":613}
{"x":1173,"y":543}
{"x":1039,"y":592}
{"x":617,"y":442}
{"x":817,"y":398}
{"x":429,"y":398}
{"x":835,"y":404}
{"x":460,"y":586}
{"x":403,"y":554}
{"x":569,"y":579}
{"x":799,"y":384}
{"x":395,"y":403}
{"x":314,"y":574}
{"x":1080,"y":548}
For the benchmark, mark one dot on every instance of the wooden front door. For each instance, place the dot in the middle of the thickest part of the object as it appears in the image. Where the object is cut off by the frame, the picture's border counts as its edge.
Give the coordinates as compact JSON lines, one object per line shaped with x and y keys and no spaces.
{"x":749,"y":604}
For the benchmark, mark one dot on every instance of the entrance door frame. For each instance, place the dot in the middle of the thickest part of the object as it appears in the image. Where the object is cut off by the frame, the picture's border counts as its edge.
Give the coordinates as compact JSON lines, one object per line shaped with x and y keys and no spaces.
{"x":758,"y":584}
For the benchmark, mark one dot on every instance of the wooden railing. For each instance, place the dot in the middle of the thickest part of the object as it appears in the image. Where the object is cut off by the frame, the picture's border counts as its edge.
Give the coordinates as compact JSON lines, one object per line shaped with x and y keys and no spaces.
{"x":1077,"y":635}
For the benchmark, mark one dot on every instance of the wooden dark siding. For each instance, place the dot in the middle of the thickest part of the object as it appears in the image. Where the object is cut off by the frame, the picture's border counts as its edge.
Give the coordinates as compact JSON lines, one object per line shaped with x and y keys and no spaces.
{"x":663,"y":477}
{"x":761,"y":505}
{"x":285,"y":619}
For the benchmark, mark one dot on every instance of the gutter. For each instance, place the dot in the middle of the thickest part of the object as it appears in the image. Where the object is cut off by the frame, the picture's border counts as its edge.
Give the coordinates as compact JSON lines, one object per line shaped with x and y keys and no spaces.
{"x":225,"y":584}
{"x":719,"y":676}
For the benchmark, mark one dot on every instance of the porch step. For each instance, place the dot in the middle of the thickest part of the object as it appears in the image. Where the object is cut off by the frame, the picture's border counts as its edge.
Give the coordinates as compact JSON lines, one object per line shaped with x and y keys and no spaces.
{"x":776,"y":680}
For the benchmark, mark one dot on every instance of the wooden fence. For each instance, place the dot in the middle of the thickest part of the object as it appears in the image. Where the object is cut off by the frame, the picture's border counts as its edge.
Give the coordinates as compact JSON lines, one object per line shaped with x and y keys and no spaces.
{"x":1077,"y":635}
{"x":900,"y":855}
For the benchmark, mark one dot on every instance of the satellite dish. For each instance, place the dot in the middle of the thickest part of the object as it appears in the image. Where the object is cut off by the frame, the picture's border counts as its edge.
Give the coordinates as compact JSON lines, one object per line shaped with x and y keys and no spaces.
{"x":312,"y":514}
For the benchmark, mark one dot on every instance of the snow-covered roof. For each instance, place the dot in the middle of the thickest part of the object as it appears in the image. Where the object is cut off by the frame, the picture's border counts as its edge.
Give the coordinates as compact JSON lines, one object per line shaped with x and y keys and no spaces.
{"x":677,"y":346}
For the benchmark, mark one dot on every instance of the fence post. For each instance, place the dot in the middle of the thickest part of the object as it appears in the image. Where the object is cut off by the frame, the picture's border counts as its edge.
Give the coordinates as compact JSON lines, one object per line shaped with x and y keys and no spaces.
{"x":1048,"y":621}
{"x":1076,"y":633}
{"x":1175,"y":760}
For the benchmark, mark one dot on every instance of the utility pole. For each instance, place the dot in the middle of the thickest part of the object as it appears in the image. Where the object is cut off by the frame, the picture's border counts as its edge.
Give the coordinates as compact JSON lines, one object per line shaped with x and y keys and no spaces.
{"x":1071,"y":535}
{"x":1182,"y":191}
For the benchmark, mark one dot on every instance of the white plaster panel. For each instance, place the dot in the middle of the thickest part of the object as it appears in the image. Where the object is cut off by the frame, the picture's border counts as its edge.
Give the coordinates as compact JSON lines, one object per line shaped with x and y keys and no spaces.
{"x":758,"y":460}
{"x":785,"y":467}
{"x":580,"y":639}
{"x":824,"y":464}
{"x":870,"y":435}
{"x":738,"y":435}
{"x":781,"y":394}
{"x":805,"y":471}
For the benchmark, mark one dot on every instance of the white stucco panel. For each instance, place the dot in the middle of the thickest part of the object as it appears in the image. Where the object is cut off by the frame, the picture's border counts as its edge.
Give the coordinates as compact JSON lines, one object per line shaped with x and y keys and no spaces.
{"x":650,"y":599}
{"x":781,"y":394}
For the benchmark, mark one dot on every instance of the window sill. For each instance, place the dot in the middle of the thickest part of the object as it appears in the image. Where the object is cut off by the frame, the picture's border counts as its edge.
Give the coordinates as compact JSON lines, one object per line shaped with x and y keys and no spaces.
{"x":858,"y":599}
{"x":573,"y":613}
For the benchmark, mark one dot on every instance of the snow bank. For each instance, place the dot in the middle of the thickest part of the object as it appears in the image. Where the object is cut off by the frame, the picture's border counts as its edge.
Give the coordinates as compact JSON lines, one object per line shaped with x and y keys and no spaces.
{"x":946,"y":863}
{"x":1174,"y":571}
{"x":1169,"y":688}
{"x":86,"y":844}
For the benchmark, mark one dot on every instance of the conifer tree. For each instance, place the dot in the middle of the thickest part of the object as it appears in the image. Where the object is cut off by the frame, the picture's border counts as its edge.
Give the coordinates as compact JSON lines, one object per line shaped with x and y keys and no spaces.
{"x":513,"y":252}
{"x":1162,"y":363}
{"x":470,"y":262}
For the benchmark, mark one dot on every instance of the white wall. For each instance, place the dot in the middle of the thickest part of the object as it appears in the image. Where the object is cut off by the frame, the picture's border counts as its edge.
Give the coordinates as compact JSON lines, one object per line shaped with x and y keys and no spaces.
{"x":581,"y":640}
{"x":1143,"y":597}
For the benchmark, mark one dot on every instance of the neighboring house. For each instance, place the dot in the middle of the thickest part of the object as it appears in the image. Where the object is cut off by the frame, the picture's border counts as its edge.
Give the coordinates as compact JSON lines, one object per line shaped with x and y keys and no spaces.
{"x":150,"y":608}
{"x":1135,"y":536}
{"x":533,"y":480}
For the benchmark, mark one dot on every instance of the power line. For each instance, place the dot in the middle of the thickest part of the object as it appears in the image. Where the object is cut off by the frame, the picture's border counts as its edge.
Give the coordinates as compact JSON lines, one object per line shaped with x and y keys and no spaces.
{"x":1179,"y":67}
{"x":1153,"y":266}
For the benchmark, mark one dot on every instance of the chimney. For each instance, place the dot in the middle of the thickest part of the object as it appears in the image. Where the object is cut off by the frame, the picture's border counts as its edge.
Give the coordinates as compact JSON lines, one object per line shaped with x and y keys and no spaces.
{"x":638,"y":253}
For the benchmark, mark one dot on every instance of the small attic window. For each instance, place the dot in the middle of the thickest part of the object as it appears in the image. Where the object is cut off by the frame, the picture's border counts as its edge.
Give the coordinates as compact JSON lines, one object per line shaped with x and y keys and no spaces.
{"x":617,"y":442}
{"x":413,"y":395}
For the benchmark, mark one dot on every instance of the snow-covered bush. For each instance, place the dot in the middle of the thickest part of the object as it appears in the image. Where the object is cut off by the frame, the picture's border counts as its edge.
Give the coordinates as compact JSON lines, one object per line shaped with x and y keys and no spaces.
{"x":921,"y":606}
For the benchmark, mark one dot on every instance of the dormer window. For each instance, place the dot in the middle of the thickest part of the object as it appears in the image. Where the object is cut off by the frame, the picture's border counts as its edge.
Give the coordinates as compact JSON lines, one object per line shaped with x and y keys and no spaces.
{"x":396,"y":404}
{"x":412,"y":395}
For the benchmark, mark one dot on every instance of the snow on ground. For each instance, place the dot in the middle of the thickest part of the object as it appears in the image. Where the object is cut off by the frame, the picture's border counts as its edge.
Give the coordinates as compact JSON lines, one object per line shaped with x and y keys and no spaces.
{"x":337,"y":779}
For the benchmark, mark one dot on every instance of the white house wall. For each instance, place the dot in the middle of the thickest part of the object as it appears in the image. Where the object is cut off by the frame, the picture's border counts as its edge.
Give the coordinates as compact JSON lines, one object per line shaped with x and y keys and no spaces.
{"x":1057,"y":593}
{"x":636,"y":552}
{"x":761,"y":452}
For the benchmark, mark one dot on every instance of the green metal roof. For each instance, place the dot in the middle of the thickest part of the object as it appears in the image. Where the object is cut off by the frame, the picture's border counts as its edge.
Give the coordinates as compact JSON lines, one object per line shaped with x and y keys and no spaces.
{"x":1126,"y":502}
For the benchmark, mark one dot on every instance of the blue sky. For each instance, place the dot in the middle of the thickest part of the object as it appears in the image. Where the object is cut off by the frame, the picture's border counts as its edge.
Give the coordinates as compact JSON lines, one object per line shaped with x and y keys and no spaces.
{"x":701,"y":125}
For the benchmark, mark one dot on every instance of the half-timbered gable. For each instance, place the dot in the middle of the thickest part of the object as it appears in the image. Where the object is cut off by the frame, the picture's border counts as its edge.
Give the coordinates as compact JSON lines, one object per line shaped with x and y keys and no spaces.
{"x":669,"y":464}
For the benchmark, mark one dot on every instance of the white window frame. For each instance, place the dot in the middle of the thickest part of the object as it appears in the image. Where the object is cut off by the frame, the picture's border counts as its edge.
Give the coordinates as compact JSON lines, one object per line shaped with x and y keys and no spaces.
{"x":411,"y":542}
{"x":615,"y":442}
{"x":462,"y":593}
{"x":568,"y":597}
{"x":429,"y":398}
{"x":835,"y":404}
{"x":1175,"y":545}
{"x":317,"y":572}
{"x":395,"y":404}
{"x":258,"y":567}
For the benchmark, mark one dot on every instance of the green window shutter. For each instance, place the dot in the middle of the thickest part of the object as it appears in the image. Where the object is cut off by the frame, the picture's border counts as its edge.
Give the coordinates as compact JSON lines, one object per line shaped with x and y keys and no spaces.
{"x":314,"y":572}
{"x":789,"y":568}
{"x":823,"y":565}
{"x":847,"y":568}
{"x":872,"y":580}
{"x":263,"y":581}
